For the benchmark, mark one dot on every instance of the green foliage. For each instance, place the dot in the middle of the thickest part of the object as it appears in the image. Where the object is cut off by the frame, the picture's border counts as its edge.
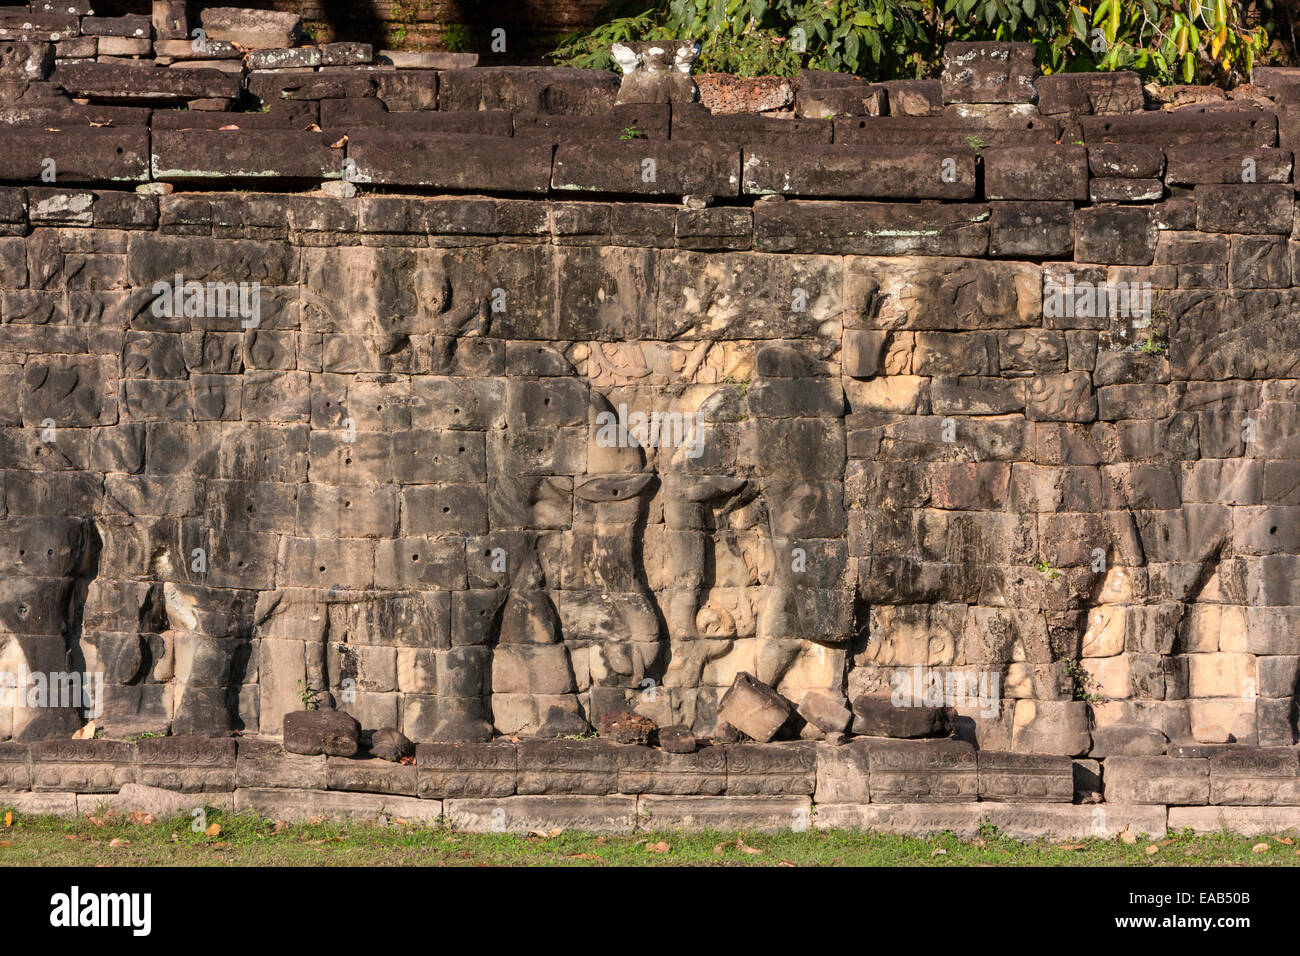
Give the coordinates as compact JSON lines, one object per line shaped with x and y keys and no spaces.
{"x":631,"y":132}
{"x":1164,"y":40}
{"x":307,"y":695}
{"x":1045,"y":568}
{"x":1082,"y":684}
{"x":456,"y":38}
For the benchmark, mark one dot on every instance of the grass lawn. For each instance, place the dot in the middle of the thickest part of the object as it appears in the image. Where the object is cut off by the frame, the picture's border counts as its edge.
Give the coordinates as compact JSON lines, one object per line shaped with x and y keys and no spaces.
{"x":245,"y":840}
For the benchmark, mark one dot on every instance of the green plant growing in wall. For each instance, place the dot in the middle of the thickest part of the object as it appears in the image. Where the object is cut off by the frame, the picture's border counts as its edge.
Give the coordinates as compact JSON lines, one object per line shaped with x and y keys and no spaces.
{"x":307,"y":695}
{"x":1189,"y":41}
{"x":1083,"y":686}
{"x":457,"y":38}
{"x":631,"y":132}
{"x":1045,"y":568}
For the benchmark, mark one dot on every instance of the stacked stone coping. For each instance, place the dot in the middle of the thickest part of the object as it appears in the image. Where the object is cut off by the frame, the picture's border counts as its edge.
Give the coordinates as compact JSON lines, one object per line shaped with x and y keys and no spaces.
{"x":901,"y":786}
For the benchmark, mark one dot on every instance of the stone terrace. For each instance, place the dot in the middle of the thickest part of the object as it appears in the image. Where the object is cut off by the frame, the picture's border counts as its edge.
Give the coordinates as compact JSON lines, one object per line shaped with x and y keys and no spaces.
{"x":995,"y":379}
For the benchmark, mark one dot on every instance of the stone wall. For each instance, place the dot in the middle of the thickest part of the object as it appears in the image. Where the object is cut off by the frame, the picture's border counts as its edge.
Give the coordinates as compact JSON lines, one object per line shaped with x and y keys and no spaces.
{"x":975,"y":393}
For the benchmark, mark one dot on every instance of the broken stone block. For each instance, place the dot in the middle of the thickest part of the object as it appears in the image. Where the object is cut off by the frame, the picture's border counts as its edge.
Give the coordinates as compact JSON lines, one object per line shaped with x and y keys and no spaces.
{"x":825,"y":709}
{"x":753,"y":708}
{"x":677,"y":739}
{"x":312,"y":732}
{"x":649,"y":76}
{"x":988,"y":72}
{"x":252,"y":29}
{"x":880,"y":717}
{"x":627,"y":728}
{"x":923,"y":771}
{"x":389,"y":743}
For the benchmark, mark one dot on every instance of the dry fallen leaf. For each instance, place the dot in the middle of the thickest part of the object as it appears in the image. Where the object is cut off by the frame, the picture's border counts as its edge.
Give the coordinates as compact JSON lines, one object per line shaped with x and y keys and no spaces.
{"x":1073,"y":846}
{"x":660,"y":847}
{"x":313,"y":128}
{"x":341,"y":143}
{"x":717,"y":850}
{"x":1152,"y":850}
{"x":9,"y":818}
{"x":118,"y":841}
{"x":6,"y":842}
{"x":939,"y":852}
{"x":85,"y":733}
{"x":279,"y":825}
{"x":1285,"y":841}
{"x":228,"y":126}
{"x":751,"y":849}
{"x":1129,"y":838}
{"x":1259,"y":848}
{"x":95,"y":125}
{"x":213,"y":830}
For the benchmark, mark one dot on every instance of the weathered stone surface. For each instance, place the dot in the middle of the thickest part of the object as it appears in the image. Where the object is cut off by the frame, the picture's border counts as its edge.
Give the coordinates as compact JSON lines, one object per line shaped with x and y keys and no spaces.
{"x":311,"y":732}
{"x":467,"y":770}
{"x":1249,"y":776}
{"x":1245,"y":820}
{"x":567,"y":766}
{"x":370,"y":776}
{"x":187,"y":763}
{"x":263,"y":764}
{"x":926,"y":771}
{"x":391,"y":744}
{"x":843,"y":171}
{"x":759,"y":814}
{"x":1017,"y":822}
{"x":753,"y":708}
{"x":677,"y":739}
{"x":307,"y":805}
{"x":881,"y":717}
{"x":754,"y":769}
{"x":1156,"y":780}
{"x":843,"y":773}
{"x":446,"y":161}
{"x":82,"y":766}
{"x":1025,"y":778}
{"x":252,"y":29}
{"x":160,"y":803}
{"x":196,"y":155}
{"x":643,"y":770}
{"x":524,"y":814}
{"x":988,"y":73}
